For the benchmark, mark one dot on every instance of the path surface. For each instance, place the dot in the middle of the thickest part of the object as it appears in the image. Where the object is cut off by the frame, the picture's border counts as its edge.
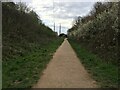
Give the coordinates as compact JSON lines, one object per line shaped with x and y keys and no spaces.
{"x":65,"y":71}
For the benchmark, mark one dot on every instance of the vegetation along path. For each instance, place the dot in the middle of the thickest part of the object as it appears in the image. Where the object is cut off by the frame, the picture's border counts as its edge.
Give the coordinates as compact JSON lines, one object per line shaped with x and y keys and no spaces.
{"x":65,"y":71}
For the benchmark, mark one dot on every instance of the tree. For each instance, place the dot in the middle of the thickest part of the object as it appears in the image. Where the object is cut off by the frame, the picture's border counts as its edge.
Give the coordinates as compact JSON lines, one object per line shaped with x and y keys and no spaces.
{"x":23,"y":7}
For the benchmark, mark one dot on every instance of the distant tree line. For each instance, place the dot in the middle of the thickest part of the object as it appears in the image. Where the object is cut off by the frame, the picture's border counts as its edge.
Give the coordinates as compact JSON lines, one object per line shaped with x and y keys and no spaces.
{"x":99,"y":30}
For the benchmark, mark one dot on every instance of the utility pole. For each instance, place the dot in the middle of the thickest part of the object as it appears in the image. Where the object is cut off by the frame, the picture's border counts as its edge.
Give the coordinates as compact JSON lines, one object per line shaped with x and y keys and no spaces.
{"x":60,"y":29}
{"x":54,"y":27}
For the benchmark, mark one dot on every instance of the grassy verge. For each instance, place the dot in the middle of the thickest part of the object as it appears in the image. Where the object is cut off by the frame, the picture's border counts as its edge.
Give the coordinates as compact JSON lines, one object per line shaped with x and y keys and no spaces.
{"x":23,"y":72}
{"x":106,"y":74}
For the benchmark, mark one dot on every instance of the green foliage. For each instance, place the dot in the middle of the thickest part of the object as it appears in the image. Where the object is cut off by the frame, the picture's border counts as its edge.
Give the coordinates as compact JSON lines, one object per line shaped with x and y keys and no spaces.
{"x":106,"y":74}
{"x":22,"y":31}
{"x":28,"y":45}
{"x":99,"y":31}
{"x":25,"y":71}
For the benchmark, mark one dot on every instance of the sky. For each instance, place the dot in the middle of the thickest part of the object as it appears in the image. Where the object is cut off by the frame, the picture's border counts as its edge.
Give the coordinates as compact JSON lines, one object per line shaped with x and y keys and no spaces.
{"x":60,"y":11}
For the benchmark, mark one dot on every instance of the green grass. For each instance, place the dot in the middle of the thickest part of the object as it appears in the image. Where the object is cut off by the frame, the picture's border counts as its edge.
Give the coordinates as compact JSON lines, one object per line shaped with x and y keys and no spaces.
{"x":106,"y":74}
{"x":25,"y":71}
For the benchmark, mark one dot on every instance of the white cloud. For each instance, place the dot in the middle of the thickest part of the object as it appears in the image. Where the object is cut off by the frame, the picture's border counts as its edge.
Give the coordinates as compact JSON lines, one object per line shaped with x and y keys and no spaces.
{"x":60,"y":12}
{"x":27,"y":1}
{"x":86,"y":0}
